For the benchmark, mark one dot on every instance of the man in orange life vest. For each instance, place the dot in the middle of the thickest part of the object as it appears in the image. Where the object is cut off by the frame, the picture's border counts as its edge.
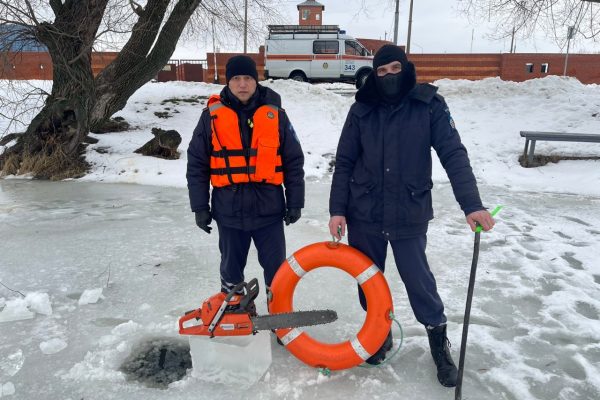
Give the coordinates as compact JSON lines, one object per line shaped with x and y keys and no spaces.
{"x":246,"y":148}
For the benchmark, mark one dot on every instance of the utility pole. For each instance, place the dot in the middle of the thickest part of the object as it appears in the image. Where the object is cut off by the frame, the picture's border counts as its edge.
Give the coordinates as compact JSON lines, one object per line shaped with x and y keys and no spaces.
{"x":245,"y":26}
{"x":472,"y":34}
{"x":216,"y":78}
{"x":409,"y":27}
{"x":571,"y":31}
{"x":396,"y":22}
{"x":512,"y":41}
{"x":570,"y":34}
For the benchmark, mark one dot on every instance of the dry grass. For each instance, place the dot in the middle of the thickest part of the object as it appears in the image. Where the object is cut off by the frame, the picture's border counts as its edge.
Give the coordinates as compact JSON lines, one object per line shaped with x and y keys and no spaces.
{"x":10,"y":166}
{"x":541,"y":160}
{"x":54,"y":165}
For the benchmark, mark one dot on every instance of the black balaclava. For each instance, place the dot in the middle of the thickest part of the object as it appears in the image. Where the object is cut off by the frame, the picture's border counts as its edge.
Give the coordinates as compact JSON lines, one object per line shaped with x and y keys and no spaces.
{"x":393,"y":87}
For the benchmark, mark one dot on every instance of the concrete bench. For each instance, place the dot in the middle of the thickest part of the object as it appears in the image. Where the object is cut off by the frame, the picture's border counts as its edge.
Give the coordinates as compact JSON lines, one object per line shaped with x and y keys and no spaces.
{"x":533,"y":136}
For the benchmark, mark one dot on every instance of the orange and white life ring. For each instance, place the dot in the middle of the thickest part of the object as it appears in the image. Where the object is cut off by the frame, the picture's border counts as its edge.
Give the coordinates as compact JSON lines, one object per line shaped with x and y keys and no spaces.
{"x":378,"y":321}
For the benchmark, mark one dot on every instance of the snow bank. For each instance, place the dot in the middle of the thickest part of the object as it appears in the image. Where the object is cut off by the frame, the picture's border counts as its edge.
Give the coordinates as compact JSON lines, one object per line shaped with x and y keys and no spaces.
{"x":488,"y":113}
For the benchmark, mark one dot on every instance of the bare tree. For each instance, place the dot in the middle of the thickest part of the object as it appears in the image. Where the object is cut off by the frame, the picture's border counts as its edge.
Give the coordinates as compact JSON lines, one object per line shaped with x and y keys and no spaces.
{"x":552,"y":17}
{"x":52,"y":146}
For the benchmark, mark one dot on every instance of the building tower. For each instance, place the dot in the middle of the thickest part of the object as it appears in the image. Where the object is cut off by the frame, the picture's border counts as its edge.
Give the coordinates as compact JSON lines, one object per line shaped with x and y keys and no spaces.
{"x":310,"y":12}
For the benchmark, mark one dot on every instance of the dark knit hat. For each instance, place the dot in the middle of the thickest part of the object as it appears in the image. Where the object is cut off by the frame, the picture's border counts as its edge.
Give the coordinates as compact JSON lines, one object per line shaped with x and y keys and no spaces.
{"x":388,"y":54}
{"x":240,"y":65}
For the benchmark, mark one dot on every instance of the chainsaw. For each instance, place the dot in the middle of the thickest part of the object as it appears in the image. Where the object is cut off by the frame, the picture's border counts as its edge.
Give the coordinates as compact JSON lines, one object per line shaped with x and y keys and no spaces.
{"x":234,"y":314}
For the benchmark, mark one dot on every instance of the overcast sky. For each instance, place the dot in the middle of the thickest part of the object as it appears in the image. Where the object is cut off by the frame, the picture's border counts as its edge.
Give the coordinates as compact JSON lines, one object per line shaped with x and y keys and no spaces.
{"x":437,"y":28}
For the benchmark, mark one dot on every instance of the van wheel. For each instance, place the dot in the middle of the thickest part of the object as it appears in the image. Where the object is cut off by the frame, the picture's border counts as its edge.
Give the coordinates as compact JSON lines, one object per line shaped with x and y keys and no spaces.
{"x":361,"y":79}
{"x":298,"y":76}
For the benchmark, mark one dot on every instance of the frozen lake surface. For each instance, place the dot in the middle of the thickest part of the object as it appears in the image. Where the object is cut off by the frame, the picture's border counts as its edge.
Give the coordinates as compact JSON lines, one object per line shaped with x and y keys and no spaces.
{"x":140,"y":260}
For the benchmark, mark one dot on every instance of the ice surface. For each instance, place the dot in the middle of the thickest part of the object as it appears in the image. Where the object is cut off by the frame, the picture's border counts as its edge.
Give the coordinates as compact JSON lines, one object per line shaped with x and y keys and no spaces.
{"x":25,"y":308}
{"x":15,"y":310}
{"x":242,"y":360}
{"x":90,"y":296}
{"x":39,"y":302}
{"x":7,"y":389}
{"x":534,"y":330}
{"x":53,"y":346}
{"x":11,"y":363}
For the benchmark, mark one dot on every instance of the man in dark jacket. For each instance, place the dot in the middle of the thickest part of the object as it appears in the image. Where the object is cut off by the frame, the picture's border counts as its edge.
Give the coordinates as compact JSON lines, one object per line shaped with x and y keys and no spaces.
{"x":382,"y":186}
{"x":246,"y":148}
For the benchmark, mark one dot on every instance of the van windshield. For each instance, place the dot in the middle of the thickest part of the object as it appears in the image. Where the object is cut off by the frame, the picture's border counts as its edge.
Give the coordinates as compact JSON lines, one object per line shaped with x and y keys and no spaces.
{"x":354,"y":48}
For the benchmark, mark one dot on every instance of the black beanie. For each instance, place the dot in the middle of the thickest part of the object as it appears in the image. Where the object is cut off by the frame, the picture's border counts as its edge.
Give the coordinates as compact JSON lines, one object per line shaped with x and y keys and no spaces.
{"x":389,"y":53}
{"x":240,"y":65}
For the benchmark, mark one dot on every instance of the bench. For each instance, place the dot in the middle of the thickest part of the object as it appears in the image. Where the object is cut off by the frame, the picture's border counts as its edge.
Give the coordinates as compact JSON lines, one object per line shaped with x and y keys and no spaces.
{"x":533,"y":136}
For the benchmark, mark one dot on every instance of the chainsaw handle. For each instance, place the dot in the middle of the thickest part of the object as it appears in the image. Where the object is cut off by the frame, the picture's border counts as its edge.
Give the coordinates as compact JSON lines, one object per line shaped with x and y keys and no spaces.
{"x":197,"y":314}
{"x":219,"y":314}
{"x":251,"y":293}
{"x":235,"y":291}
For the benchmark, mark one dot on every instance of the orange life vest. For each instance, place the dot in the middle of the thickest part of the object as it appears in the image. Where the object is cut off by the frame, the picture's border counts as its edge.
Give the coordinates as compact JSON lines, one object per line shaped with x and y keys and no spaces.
{"x":230,"y":162}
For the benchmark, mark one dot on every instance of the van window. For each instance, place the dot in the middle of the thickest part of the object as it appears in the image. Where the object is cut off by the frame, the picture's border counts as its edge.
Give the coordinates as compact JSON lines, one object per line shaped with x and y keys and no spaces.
{"x":326,"y":47}
{"x":353,"y":48}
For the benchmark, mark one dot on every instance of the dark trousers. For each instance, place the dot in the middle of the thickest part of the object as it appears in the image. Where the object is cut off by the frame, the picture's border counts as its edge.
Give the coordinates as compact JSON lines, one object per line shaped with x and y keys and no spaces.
{"x":234,"y":245}
{"x":411,"y":261}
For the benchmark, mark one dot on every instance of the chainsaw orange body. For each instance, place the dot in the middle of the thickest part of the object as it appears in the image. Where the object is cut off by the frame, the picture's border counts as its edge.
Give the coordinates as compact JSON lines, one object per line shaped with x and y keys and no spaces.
{"x":234,"y":314}
{"x":234,"y":321}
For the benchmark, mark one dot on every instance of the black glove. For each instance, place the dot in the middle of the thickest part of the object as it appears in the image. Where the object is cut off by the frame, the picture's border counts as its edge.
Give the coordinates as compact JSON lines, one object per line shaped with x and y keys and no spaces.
{"x":203,"y":220}
{"x":292,"y":215}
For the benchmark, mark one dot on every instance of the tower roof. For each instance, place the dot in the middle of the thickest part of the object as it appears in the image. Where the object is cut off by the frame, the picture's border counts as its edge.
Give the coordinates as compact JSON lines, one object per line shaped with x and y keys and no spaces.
{"x":311,"y":3}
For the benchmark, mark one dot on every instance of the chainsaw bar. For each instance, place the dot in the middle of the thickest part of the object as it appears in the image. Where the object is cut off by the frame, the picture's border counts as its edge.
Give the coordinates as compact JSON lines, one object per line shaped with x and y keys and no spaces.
{"x":293,"y":319}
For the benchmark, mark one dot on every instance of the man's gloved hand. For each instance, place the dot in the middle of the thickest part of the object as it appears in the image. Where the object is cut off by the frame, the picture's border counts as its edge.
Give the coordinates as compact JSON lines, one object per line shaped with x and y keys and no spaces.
{"x":203,"y":220}
{"x":292,"y":215}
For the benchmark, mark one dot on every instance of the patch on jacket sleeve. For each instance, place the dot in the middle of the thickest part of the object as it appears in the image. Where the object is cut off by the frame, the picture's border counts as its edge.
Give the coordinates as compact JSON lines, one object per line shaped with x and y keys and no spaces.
{"x":450,"y":119}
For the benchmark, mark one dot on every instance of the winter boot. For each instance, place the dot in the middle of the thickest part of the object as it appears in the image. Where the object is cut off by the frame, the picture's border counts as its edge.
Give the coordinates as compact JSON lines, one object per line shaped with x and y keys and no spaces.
{"x":440,"y":351}
{"x":379,"y":356}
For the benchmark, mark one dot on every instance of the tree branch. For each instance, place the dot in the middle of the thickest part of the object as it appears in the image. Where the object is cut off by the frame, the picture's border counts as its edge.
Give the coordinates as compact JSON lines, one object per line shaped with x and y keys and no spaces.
{"x":56,"y":6}
{"x":31,"y":12}
{"x":138,"y":9}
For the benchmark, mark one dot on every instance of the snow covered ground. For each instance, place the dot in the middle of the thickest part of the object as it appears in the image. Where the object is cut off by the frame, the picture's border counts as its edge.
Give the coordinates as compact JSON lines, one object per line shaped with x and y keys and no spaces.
{"x":105,"y":268}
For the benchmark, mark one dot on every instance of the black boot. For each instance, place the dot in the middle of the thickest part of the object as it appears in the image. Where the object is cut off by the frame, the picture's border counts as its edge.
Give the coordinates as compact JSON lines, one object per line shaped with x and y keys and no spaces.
{"x":379,"y":356}
{"x":440,"y":351}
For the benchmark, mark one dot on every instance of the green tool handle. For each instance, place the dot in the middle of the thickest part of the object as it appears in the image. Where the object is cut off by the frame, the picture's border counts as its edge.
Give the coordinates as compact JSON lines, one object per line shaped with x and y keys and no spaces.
{"x":493,"y":213}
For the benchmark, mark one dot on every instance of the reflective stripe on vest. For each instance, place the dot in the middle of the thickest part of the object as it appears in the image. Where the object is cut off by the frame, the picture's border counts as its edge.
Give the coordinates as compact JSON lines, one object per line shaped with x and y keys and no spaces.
{"x":230,"y":162}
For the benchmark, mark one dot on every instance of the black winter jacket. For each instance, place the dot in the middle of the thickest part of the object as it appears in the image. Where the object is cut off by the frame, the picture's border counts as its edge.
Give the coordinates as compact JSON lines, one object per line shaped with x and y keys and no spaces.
{"x":246,"y":206}
{"x":382,"y":180}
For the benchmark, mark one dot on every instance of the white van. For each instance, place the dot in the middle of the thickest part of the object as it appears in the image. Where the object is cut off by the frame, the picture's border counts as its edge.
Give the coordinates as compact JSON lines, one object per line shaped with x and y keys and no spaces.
{"x":315,"y":53}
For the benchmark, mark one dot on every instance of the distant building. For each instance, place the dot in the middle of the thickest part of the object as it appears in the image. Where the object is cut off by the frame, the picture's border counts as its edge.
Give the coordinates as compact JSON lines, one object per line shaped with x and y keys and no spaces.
{"x":18,"y":38}
{"x":374,"y":44}
{"x":310,"y":12}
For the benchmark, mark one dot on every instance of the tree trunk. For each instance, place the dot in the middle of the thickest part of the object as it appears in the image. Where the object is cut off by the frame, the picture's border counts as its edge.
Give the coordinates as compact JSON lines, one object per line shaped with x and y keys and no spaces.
{"x":142,"y":58}
{"x":51,"y":148}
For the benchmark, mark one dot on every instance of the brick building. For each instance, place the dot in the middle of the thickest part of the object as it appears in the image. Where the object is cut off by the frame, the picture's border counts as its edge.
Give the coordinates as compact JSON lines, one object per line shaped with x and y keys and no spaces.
{"x":310,"y":12}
